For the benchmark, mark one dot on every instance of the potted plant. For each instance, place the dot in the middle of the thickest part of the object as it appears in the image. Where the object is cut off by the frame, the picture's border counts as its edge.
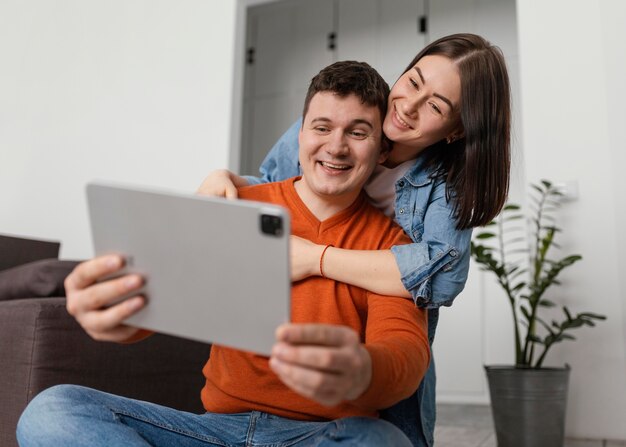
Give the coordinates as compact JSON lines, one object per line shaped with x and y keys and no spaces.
{"x":528,"y":400}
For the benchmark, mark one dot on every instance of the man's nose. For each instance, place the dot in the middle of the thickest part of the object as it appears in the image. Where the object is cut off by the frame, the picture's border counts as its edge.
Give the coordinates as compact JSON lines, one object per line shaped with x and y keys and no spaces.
{"x":337,"y":144}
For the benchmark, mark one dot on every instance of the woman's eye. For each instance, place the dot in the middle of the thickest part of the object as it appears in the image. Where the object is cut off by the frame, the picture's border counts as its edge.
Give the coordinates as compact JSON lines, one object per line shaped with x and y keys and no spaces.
{"x":413,"y":83}
{"x":435,"y":108}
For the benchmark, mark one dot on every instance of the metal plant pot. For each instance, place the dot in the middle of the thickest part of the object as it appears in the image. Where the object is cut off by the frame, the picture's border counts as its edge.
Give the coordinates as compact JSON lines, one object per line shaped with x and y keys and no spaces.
{"x":528,"y":405}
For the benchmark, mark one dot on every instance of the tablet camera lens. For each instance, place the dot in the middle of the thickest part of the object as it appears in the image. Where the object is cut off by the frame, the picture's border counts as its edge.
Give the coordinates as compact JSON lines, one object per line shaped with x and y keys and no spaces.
{"x":271,"y":225}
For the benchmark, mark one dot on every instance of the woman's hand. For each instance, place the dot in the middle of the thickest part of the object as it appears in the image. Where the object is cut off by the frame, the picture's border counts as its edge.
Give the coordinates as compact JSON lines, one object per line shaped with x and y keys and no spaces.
{"x":221,"y":183}
{"x":305,"y":258}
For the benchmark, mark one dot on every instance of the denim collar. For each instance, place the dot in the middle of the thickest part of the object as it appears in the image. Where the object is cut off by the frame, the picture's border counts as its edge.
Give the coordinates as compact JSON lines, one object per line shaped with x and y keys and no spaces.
{"x":419,"y":174}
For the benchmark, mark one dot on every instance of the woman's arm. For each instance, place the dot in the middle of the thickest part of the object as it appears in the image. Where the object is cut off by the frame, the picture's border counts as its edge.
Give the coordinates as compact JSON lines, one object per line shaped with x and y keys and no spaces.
{"x":435,"y":268}
{"x":432,"y":271}
{"x":373,"y":270}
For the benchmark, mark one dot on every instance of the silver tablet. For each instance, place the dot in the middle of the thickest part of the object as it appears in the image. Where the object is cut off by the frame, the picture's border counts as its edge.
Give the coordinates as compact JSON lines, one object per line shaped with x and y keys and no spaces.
{"x":216,"y":270}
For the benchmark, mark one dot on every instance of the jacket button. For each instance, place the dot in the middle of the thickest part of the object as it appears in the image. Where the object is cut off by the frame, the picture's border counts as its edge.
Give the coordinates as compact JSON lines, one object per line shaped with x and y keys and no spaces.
{"x":454,"y":253}
{"x":401,"y":183}
{"x":401,"y":210}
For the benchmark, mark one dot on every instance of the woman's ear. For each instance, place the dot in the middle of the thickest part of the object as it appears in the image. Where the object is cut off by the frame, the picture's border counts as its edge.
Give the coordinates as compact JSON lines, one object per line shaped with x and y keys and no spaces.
{"x":454,"y":136}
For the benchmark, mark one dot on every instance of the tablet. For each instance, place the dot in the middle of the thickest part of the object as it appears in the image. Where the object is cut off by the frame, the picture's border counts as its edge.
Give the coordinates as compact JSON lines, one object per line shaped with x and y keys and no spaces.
{"x":216,"y":270}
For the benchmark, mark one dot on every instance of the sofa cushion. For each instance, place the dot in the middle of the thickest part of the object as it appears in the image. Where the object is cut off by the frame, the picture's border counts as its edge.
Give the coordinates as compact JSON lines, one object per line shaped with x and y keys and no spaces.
{"x":37,"y":279}
{"x":41,"y":346}
{"x":16,"y":251}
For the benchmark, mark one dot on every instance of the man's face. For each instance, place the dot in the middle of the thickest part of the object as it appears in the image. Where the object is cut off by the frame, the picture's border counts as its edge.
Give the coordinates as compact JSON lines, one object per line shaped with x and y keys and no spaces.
{"x":340,"y":144}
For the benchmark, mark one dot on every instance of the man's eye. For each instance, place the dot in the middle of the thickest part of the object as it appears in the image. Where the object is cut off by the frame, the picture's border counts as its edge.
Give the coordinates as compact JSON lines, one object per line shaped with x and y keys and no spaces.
{"x":358,"y":134}
{"x":322,"y":129}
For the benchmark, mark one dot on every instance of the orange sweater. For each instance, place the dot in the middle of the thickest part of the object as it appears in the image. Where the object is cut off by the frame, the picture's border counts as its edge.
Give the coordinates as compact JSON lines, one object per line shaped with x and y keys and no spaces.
{"x":393,"y":329}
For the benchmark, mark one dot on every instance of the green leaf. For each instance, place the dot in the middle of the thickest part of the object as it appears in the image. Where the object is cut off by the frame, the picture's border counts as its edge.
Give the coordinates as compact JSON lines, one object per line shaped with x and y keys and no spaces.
{"x":574,"y":323}
{"x":546,"y":183}
{"x":592,"y":315}
{"x":485,"y":235}
{"x":511,"y":207}
{"x":540,"y":190}
{"x":514,"y":240}
{"x":518,"y":250}
{"x":518,"y":287}
{"x":546,"y":303}
{"x":569,"y":260}
{"x":567,"y":313}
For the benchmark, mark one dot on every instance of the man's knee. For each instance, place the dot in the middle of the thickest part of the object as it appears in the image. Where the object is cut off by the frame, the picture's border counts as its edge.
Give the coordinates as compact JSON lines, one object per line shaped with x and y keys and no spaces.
{"x":43,"y":415}
{"x":373,"y":432}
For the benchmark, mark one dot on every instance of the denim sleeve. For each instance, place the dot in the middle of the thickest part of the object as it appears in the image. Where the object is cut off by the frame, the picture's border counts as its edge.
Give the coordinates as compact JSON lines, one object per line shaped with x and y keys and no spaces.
{"x":435,"y":269}
{"x":281,"y":162}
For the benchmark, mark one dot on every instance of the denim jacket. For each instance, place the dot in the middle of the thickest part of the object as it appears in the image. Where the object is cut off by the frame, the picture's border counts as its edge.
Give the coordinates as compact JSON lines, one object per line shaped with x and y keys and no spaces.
{"x":433,"y":268}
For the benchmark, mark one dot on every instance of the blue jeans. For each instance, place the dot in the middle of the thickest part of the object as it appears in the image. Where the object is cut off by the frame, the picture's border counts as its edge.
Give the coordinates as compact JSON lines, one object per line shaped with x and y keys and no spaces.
{"x":71,"y":415}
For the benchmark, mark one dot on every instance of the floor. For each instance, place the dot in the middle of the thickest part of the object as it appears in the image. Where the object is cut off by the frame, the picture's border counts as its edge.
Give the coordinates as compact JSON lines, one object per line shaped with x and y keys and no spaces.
{"x":472,"y":426}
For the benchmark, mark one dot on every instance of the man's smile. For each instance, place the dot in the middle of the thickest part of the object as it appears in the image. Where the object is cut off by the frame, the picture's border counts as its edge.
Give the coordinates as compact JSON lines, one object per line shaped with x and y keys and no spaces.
{"x":335,"y":166}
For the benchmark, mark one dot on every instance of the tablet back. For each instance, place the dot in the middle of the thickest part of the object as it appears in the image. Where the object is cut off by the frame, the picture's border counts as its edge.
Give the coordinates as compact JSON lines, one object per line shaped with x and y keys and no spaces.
{"x":216,"y":270}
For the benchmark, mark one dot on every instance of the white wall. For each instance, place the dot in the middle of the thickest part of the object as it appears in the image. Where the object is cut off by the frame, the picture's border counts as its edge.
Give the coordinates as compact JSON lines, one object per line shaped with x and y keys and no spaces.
{"x":130,"y":90}
{"x":573,"y":96}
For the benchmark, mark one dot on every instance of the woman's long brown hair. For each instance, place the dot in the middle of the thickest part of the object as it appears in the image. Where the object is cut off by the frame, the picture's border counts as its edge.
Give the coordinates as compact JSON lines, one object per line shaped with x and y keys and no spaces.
{"x":476,"y":167}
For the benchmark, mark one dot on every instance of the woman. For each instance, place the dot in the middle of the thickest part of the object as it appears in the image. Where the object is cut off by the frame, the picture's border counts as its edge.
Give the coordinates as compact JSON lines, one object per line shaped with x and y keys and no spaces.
{"x":448,"y":123}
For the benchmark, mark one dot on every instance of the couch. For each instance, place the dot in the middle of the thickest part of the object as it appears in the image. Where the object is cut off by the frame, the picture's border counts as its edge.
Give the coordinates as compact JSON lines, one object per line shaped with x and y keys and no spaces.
{"x":41,"y":346}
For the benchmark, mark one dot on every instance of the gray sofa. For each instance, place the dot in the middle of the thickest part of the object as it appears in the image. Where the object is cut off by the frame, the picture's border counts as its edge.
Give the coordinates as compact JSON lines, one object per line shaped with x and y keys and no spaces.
{"x":41,"y":346}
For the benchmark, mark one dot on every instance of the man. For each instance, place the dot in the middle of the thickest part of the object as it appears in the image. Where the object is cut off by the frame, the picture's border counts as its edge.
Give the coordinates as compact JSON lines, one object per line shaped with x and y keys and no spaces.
{"x":347,"y":353}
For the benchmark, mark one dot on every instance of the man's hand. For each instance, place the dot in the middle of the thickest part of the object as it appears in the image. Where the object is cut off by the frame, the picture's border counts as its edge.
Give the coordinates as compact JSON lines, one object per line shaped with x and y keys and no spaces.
{"x":92,"y":303}
{"x":221,"y":183}
{"x":323,"y":362}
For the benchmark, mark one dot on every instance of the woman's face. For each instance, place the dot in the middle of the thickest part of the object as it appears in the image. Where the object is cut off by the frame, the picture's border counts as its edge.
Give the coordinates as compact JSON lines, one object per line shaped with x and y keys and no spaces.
{"x":424,"y":107}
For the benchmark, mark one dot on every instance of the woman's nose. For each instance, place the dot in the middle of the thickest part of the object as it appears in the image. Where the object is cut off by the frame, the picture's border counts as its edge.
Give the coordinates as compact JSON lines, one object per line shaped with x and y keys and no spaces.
{"x":412,"y":104}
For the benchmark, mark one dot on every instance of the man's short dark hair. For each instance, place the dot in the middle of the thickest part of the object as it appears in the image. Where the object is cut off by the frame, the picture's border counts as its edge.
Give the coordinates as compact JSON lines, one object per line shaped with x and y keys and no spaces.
{"x":351,"y":78}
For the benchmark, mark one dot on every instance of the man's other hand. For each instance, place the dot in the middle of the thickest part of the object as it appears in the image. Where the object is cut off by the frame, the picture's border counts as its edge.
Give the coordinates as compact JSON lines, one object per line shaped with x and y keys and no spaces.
{"x":96,"y":305}
{"x":326,"y":363}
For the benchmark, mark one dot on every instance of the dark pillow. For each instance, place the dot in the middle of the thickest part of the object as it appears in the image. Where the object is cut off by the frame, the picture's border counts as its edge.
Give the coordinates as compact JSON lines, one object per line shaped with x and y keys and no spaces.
{"x":36,"y":279}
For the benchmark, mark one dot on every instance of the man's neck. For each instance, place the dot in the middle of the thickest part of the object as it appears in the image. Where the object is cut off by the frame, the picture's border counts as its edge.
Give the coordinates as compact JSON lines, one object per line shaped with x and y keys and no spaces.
{"x":323,"y":207}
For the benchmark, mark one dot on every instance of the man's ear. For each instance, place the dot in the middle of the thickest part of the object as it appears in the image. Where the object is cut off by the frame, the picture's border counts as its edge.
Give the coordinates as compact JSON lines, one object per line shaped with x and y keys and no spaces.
{"x":385,"y":148}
